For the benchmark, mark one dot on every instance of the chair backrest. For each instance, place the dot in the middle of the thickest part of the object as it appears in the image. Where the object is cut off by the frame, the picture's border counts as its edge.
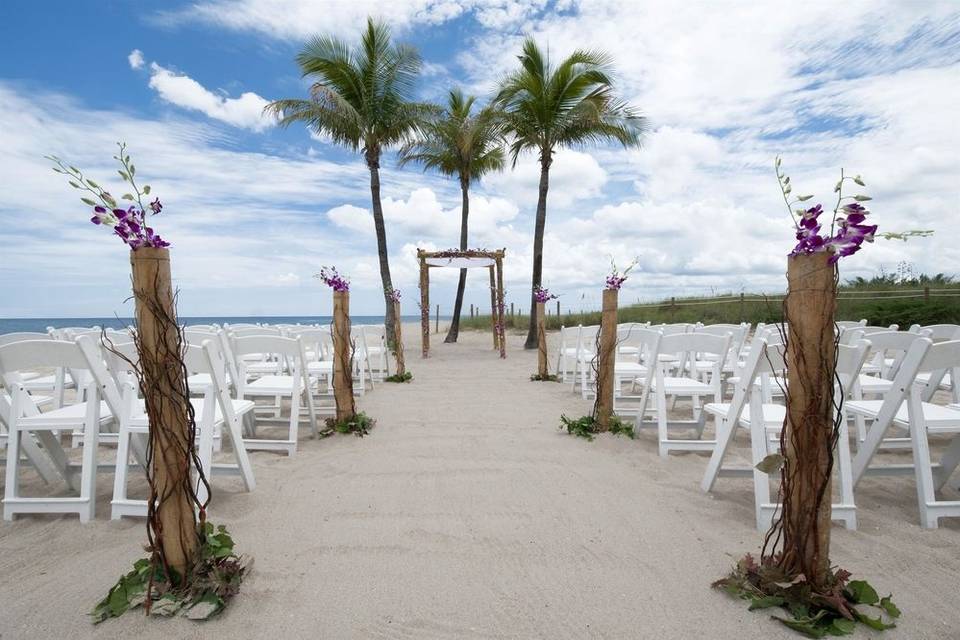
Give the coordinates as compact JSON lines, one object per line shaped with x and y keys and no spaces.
{"x":646,"y":341}
{"x":850,"y":324}
{"x":316,"y":340}
{"x":587,"y":338}
{"x":696,"y":343}
{"x":197,"y":336}
{"x":255,"y":331}
{"x":20,"y":336}
{"x":939,"y":332}
{"x":892,"y":344}
{"x":278,"y":345}
{"x":36,"y":354}
{"x":240,"y":325}
{"x":674,"y":328}
{"x":850,"y":359}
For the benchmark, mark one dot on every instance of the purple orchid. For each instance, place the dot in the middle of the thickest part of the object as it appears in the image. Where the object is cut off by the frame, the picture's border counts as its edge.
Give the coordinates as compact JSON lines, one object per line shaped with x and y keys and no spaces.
{"x":333,"y":279}
{"x":543,"y":295}
{"x":847,"y":231}
{"x":393,"y":294}
{"x":128,"y":224}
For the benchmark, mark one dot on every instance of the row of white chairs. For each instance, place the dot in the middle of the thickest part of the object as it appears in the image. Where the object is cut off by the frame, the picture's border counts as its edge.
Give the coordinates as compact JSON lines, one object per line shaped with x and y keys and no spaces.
{"x":886,"y":378}
{"x":231,"y":369}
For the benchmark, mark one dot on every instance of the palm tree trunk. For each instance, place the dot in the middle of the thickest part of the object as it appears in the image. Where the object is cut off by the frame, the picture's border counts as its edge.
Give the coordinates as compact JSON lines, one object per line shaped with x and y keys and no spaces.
{"x":545,"y":161}
{"x":454,"y":331}
{"x":373,"y":163}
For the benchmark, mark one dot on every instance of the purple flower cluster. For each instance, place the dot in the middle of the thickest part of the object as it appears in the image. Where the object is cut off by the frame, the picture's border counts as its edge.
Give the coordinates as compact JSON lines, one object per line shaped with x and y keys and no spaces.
{"x":130,"y":225}
{"x":542,"y":295}
{"x":850,"y":234}
{"x":615,"y":280}
{"x":394,"y":295}
{"x":333,"y":279}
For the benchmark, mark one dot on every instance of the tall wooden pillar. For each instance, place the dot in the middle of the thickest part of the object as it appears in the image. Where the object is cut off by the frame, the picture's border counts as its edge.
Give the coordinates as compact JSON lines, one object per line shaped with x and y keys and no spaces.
{"x":174,"y":526}
{"x":811,"y":360}
{"x":424,"y":308}
{"x":541,"y":342}
{"x":342,"y":357}
{"x":501,"y":328}
{"x":398,"y":339}
{"x":494,"y":322}
{"x":606,"y":359}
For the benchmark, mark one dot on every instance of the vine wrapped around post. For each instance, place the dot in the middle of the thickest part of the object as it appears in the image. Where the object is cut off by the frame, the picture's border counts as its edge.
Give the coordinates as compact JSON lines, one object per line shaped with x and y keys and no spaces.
{"x":342,"y":358}
{"x":398,"y":341}
{"x":541,"y":342}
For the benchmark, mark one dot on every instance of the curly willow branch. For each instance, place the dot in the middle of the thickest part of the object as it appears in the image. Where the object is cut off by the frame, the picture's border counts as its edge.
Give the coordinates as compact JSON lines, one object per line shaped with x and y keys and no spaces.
{"x":347,"y":358}
{"x":162,"y":376}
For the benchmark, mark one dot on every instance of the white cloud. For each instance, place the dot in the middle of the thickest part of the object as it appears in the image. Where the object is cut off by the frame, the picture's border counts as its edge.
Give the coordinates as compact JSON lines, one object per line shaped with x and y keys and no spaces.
{"x":135,"y":59}
{"x":183,"y":91}
{"x":574,"y":175}
{"x":300,"y":19}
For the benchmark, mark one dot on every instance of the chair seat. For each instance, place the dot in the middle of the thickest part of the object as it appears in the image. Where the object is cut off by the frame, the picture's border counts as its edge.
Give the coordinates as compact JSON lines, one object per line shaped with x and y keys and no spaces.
{"x":632,"y":369}
{"x":200,"y":381}
{"x":69,"y":417}
{"x":272,"y":386}
{"x":263,"y":367}
{"x":140,"y":422}
{"x":320,"y":367}
{"x":938,"y":418}
{"x":773,"y":414}
{"x":44,"y":383}
{"x":873,"y":384}
{"x":945,"y":383}
{"x":683,"y":386}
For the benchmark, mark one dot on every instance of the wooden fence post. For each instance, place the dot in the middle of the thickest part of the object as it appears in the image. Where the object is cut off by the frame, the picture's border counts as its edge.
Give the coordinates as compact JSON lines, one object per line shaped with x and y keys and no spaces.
{"x":165,"y":394}
{"x":558,"y":308}
{"x":342,"y":357}
{"x":606,"y":359}
{"x":437,"y":321}
{"x":512,"y":314}
{"x":741,"y":307}
{"x":926,"y":294}
{"x":673,"y":302}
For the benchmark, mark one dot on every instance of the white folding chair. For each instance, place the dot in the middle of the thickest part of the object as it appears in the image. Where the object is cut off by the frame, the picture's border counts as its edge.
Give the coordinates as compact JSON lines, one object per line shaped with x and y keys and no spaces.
{"x":635,"y":371}
{"x":687,"y":346}
{"x":87,"y":416}
{"x":585,"y":358}
{"x":295,"y":386}
{"x":903,"y":408}
{"x":566,"y":351}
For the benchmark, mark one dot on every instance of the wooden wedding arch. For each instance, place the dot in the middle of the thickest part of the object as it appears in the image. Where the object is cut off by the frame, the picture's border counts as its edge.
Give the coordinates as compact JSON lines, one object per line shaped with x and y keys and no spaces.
{"x":464,"y":259}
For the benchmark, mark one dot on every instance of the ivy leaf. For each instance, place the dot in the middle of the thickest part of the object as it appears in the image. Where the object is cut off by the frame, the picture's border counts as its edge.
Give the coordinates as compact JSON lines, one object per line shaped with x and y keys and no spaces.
{"x":207,"y":606}
{"x":862,"y":198}
{"x":842,"y":627}
{"x":771,"y":463}
{"x":862,"y":593}
{"x":887,"y":605}
{"x":806,"y":627}
{"x":167,"y":605}
{"x":765,"y":602}
{"x":873,"y":623}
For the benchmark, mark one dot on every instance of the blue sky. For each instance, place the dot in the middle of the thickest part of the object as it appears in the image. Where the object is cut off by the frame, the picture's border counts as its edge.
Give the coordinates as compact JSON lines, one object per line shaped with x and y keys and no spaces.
{"x":253,"y":211}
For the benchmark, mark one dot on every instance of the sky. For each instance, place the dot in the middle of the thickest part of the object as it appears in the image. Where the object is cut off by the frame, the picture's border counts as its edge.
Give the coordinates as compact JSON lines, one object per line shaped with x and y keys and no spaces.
{"x":253,"y":211}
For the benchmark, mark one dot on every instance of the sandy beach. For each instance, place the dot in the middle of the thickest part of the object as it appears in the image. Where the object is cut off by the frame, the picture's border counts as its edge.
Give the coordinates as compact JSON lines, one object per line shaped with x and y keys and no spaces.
{"x":466,"y":513}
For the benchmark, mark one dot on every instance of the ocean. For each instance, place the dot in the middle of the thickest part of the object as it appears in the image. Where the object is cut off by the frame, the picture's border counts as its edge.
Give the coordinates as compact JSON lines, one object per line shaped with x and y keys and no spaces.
{"x":11,"y":325}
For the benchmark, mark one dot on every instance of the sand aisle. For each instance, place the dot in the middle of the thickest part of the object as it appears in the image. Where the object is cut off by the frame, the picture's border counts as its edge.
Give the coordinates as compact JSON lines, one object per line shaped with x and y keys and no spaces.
{"x":467,"y":514}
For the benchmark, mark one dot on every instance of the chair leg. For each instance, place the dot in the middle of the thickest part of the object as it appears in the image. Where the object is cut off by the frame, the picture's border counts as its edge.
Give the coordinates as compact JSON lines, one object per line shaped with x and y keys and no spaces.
{"x":88,"y":470}
{"x":845,"y":465}
{"x":923,"y":472}
{"x":13,"y":464}
{"x":120,"y":473}
{"x":662,"y":433}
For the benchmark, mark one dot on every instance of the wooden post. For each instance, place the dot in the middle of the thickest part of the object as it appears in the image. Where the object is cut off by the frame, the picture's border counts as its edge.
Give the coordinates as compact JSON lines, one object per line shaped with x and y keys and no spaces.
{"x":471,"y":309}
{"x":811,"y":358}
{"x":424,"y":307}
{"x":398,"y":340}
{"x":926,"y":294}
{"x":606,"y":359}
{"x":165,"y":394}
{"x":512,"y":313}
{"x":541,"y":343}
{"x":437,"y":320}
{"x":558,"y":309}
{"x":342,"y":357}
{"x":501,"y":330}
{"x":741,"y":307}
{"x":493,"y":307}
{"x":673,"y":302}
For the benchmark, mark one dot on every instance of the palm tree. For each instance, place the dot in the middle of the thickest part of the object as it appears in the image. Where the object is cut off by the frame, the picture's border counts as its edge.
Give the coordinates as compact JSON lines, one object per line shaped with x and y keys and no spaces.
{"x":456,"y":142}
{"x":360,"y":98}
{"x":549,"y":107}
